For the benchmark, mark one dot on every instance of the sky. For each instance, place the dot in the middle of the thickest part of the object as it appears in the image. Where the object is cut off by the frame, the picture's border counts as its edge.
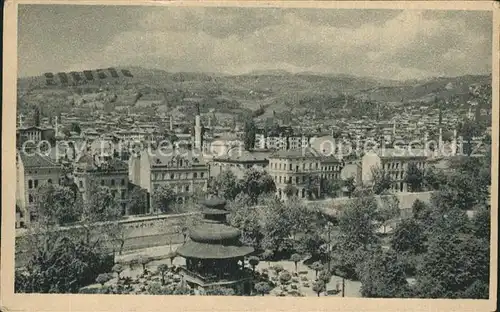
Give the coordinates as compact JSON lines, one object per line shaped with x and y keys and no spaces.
{"x":389,"y":44}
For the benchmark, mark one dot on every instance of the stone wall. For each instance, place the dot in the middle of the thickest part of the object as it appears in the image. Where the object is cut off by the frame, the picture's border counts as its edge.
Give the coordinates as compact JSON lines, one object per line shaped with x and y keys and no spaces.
{"x":151,"y":231}
{"x":139,"y":232}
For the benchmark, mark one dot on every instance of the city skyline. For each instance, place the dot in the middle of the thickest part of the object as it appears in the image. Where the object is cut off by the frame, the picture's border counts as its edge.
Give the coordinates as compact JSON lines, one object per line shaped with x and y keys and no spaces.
{"x":389,"y":44}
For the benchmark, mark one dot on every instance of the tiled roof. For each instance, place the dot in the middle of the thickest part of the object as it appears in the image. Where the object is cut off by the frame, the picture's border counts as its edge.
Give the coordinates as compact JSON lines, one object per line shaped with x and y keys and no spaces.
{"x":162,"y":157}
{"x":37,"y":160}
{"x":244,"y":156}
{"x":296,"y":153}
{"x":404,"y":152}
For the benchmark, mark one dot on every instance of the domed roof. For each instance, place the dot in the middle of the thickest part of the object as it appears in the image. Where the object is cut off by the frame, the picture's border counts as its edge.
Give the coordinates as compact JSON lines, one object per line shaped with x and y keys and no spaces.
{"x":214,"y":202}
{"x":214,"y":233}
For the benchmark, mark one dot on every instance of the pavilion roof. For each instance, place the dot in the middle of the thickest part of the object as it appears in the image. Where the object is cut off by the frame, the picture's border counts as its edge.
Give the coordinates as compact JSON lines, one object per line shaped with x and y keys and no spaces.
{"x":192,"y":249}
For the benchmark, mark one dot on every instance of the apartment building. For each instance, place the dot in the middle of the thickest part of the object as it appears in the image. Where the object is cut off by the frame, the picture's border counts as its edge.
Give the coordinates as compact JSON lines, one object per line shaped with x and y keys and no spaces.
{"x":395,"y":162}
{"x":103,"y":170}
{"x":183,"y":170}
{"x":32,"y":171}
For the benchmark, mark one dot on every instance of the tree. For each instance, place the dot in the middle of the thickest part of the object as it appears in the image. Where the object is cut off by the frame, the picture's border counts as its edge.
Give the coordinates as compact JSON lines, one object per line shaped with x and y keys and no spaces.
{"x":408,"y":236}
{"x":103,"y":278}
{"x":118,"y":268}
{"x":331,"y":187}
{"x":257,"y":182}
{"x":219,"y":291}
{"x":285,"y":277}
{"x":318,"y":287}
{"x":414,"y":178}
{"x":350,"y":185}
{"x":137,"y":200}
{"x":382,"y":276}
{"x":455,"y":266}
{"x":276,"y":226}
{"x":262,"y":288}
{"x":296,"y":258}
{"x":267,"y":255}
{"x":163,"y":269}
{"x":312,"y":185}
{"x":58,"y":205}
{"x":387,"y":210}
{"x":481,"y":222}
{"x":64,"y":261}
{"x":381,"y":180}
{"x":290,"y":190}
{"x":36,"y":116}
{"x":253,"y":261}
{"x":249,"y":137}
{"x":356,"y":235}
{"x":247,"y":219}
{"x":325,"y":277}
{"x":316,"y":266}
{"x":102,"y":205}
{"x":144,"y":260}
{"x":75,"y":127}
{"x":469,"y":129}
{"x":225,"y":185}
{"x":163,"y":197}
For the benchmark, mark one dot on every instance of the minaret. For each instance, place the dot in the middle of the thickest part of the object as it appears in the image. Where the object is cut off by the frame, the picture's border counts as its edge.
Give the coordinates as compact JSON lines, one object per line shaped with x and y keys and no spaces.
{"x":56,"y":126}
{"x":171,"y":121}
{"x":21,"y":121}
{"x":440,"y":140}
{"x":197,"y":132}
{"x":454,"y":143}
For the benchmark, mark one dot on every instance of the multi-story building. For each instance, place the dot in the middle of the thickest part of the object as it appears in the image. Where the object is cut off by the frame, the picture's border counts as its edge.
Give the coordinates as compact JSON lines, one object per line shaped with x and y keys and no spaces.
{"x":239,"y":161}
{"x":395,"y":162}
{"x":33,"y":171}
{"x":281,"y":142}
{"x":104,"y":171}
{"x":303,"y":170}
{"x":184,"y":171}
{"x":34,"y":134}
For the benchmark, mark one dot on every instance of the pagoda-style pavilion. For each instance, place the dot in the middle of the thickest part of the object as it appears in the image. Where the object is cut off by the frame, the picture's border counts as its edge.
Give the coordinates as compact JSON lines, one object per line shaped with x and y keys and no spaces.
{"x":214,"y":254}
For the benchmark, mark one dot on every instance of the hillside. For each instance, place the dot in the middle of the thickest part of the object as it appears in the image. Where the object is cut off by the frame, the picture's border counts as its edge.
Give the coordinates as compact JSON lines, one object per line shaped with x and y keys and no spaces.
{"x":279,"y":92}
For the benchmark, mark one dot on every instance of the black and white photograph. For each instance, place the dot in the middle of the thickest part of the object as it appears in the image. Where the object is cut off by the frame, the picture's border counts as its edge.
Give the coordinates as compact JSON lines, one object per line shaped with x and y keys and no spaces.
{"x":260,"y":151}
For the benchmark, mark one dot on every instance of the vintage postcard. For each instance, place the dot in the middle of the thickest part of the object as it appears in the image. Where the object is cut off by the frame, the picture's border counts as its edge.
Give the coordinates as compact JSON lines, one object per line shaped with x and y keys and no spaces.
{"x":242,"y":156}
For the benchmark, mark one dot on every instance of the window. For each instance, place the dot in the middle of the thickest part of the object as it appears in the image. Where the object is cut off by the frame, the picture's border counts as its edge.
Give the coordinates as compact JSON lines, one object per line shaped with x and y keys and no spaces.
{"x":123,"y":194}
{"x":80,"y":183}
{"x":172,"y":176}
{"x":102,"y":182}
{"x":291,"y":167}
{"x":297,"y":168}
{"x":202,"y":174}
{"x":296,"y":180}
{"x":187,"y":188}
{"x":30,"y":184}
{"x":112,"y":182}
{"x":36,"y":183}
{"x":30,"y":198}
{"x":195,"y":175}
{"x":123,"y":182}
{"x":49,"y":181}
{"x":280,"y":179}
{"x":124,"y":209}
